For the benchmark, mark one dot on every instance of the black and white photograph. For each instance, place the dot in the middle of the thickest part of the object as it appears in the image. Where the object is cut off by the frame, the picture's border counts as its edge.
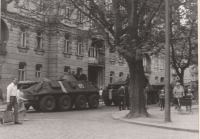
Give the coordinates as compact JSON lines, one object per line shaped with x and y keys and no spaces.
{"x":99,"y":69}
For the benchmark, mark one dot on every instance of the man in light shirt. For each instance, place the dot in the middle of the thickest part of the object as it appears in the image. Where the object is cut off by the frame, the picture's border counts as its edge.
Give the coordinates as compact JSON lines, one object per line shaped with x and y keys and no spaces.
{"x":12,"y":99}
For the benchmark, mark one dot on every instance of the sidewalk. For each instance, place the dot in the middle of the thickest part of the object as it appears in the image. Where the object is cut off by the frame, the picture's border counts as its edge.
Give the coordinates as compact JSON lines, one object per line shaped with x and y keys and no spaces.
{"x":181,"y":122}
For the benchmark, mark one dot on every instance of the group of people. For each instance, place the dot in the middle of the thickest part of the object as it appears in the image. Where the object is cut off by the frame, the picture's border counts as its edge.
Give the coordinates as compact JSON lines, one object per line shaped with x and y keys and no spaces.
{"x":178,"y":93}
{"x":15,"y":100}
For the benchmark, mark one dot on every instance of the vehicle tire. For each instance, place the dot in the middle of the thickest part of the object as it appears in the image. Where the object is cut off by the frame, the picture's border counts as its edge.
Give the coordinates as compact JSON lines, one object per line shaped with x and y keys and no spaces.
{"x":48,"y":103}
{"x":65,"y":103}
{"x":27,"y":107}
{"x":116,"y":102}
{"x":94,"y":101}
{"x":81,"y":101}
{"x":155,"y":98}
{"x":108,"y":102}
{"x":36,"y":108}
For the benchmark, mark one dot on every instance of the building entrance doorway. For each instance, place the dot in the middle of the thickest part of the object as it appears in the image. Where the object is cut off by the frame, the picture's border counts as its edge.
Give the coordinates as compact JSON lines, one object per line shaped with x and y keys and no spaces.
{"x":96,"y":76}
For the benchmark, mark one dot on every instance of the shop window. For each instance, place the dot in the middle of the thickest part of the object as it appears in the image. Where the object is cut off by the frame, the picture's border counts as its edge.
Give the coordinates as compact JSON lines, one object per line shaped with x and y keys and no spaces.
{"x":38,"y":71}
{"x":21,"y":71}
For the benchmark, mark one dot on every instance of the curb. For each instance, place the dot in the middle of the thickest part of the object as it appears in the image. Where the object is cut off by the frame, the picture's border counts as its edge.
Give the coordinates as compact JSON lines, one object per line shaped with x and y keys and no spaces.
{"x":155,"y":125}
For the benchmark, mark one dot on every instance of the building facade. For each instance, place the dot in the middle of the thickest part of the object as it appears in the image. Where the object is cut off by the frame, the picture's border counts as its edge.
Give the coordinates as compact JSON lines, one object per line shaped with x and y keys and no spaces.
{"x":32,"y":46}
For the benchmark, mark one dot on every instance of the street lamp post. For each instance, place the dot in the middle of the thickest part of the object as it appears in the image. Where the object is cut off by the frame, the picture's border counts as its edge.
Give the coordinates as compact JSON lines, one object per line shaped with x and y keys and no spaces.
{"x":167,"y":63}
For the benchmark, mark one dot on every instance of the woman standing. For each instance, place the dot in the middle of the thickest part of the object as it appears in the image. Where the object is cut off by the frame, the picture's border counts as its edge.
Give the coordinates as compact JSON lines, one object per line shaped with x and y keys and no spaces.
{"x":21,"y":107}
{"x":178,"y":93}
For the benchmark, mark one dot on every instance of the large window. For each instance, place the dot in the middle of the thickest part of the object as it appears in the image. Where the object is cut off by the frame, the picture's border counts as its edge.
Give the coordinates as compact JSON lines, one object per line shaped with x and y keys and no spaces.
{"x":39,"y":40}
{"x":22,"y":38}
{"x":38,"y":71}
{"x":66,"y":44}
{"x":66,"y":69}
{"x":79,"y":71}
{"x":21,"y":71}
{"x":162,"y":79}
{"x":112,"y":76}
{"x":120,"y":76}
{"x":93,"y":52}
{"x":79,"y":48}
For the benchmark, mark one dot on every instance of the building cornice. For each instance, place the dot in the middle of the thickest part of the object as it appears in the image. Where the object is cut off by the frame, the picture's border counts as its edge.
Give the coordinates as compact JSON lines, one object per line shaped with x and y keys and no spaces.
{"x":18,"y":20}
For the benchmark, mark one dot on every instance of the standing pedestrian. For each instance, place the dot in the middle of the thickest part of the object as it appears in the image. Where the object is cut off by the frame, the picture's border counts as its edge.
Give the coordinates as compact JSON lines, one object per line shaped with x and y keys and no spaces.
{"x":162,"y":100}
{"x":178,"y":93}
{"x":12,"y":99}
{"x":100,"y":94}
{"x":110,"y":92}
{"x":21,"y":106}
{"x":121,"y":98}
{"x":191,"y":96}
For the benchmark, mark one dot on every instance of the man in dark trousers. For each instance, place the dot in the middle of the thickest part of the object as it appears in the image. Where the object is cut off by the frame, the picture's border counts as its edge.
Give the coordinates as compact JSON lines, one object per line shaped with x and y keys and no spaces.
{"x":12,"y":99}
{"x":121,"y":98}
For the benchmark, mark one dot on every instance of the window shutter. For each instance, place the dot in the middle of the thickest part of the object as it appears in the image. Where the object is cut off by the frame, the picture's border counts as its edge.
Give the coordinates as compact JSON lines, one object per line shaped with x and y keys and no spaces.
{"x":25,"y":45}
{"x":70,"y":46}
{"x":35,"y":42}
{"x":76,"y":48}
{"x":27,"y":39}
{"x":82,"y":49}
{"x":64,"y":45}
{"x":20,"y":39}
{"x":41,"y":42}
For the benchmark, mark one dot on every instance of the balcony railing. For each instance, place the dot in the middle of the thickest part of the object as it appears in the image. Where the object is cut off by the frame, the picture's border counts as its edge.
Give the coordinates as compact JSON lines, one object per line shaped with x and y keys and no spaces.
{"x":3,"y":48}
{"x":97,"y":61}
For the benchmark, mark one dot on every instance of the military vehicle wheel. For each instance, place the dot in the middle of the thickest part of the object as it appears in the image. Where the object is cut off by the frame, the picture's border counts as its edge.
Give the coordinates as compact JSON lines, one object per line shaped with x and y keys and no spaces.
{"x":93,"y":102}
{"x":48,"y":103}
{"x":80,"y":102}
{"x":116,"y":102}
{"x":65,"y":103}
{"x":36,"y":108}
{"x":108,"y":102}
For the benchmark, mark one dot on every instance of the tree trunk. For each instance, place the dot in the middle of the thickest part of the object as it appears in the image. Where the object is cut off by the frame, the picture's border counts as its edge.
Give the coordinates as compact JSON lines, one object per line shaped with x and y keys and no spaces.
{"x":181,"y":76}
{"x":137,"y":81}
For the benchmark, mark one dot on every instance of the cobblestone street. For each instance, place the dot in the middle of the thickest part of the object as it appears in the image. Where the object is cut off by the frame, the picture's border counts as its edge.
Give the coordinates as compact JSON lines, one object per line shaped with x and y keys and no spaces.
{"x":85,"y":124}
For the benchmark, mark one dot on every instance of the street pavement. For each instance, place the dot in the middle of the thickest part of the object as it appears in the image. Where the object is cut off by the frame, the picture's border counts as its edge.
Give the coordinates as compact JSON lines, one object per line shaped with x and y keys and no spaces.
{"x":183,"y":122}
{"x":85,"y":124}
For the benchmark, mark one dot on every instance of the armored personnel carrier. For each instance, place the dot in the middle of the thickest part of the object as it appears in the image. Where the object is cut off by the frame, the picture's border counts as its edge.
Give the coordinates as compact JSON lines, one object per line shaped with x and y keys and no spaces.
{"x":46,"y":95}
